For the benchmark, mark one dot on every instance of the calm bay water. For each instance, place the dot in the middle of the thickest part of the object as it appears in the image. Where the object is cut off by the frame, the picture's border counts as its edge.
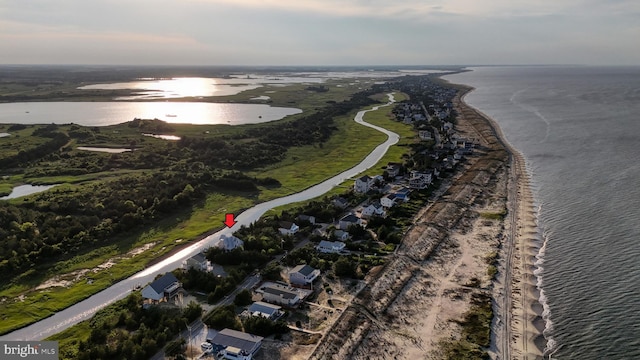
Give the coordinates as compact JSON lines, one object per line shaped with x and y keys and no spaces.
{"x":109,"y":113}
{"x":579,"y":130}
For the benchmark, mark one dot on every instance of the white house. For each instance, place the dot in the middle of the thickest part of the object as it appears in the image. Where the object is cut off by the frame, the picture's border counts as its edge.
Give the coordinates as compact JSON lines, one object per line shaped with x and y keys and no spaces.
{"x":197,"y":261}
{"x":331,"y":247}
{"x":237,"y":344}
{"x":363,"y":184}
{"x":373,"y":209}
{"x":389,"y":200}
{"x":288,"y":228}
{"x":281,"y":295}
{"x":349,"y":220}
{"x":265,"y":310}
{"x":303,"y":275}
{"x":166,"y":288}
{"x":230,"y":242}
{"x":420,"y":180}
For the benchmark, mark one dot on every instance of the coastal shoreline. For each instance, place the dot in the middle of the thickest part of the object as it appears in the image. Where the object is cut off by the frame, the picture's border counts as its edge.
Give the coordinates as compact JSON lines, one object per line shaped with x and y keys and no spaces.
{"x":523,"y":323}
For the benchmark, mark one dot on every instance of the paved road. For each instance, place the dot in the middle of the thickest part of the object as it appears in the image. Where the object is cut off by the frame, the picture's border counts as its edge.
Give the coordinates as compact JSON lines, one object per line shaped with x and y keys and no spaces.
{"x":85,"y":309}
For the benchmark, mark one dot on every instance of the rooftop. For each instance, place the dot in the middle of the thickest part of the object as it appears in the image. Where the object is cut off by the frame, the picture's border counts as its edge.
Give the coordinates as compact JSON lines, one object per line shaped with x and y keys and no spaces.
{"x":237,"y":339}
{"x":164,"y":282}
{"x":303,"y":269}
{"x":286,"y":294}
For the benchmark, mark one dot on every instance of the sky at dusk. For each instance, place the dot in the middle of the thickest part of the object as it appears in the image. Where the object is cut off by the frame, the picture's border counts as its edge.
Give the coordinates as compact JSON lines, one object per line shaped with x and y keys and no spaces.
{"x":320,"y":32}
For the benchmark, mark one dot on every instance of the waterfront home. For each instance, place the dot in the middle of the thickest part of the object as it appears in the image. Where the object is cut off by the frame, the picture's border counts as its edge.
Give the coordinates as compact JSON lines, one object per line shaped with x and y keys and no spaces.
{"x":349,"y":220}
{"x":331,"y":247}
{"x":363,"y":184}
{"x":167,"y":288}
{"x":197,"y":261}
{"x":280,"y":295}
{"x":229,"y":242}
{"x":288,"y":228}
{"x":237,"y":344}
{"x":303,"y":275}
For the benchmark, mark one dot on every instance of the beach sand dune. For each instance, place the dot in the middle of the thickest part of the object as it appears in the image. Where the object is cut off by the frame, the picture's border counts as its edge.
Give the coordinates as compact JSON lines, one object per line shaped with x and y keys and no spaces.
{"x":413,"y":306}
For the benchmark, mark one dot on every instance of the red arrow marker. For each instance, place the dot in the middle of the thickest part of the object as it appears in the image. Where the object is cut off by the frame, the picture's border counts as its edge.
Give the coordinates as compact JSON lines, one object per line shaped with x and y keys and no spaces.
{"x":228,"y":220}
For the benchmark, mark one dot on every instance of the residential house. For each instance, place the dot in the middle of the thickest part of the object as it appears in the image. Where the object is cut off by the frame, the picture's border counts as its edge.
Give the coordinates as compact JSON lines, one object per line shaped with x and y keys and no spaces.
{"x":393,"y":169}
{"x":389,"y":200}
{"x":265,"y":310}
{"x":349,"y":220}
{"x":309,"y":218}
{"x":363,"y":184}
{"x":281,"y":295}
{"x":403,"y":194}
{"x":197,"y":261}
{"x":229,"y":242}
{"x":288,"y":228}
{"x":165,"y":289}
{"x":303,"y":275}
{"x":373,"y":209}
{"x":340,"y":202}
{"x":420,"y":180}
{"x":425,"y":135}
{"x":237,"y":344}
{"x":341,"y":235}
{"x":331,"y":247}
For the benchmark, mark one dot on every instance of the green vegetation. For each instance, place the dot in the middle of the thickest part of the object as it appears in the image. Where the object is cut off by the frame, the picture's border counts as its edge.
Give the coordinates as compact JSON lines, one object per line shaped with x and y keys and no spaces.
{"x":125,"y":330}
{"x":476,"y":329}
{"x":500,"y":215}
{"x":162,"y":194}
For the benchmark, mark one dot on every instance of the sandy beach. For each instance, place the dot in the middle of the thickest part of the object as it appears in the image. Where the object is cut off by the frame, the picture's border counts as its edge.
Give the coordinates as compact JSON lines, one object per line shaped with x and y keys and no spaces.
{"x":516,"y":293}
{"x":413,"y":307}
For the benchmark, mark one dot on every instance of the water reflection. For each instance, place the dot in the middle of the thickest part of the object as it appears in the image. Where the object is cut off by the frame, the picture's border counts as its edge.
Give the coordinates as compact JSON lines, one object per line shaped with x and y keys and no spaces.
{"x":111,"y":113}
{"x":24,"y":190}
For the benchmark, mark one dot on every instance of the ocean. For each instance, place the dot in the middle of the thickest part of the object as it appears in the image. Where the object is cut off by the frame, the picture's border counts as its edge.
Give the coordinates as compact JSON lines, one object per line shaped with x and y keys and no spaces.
{"x":578,"y":127}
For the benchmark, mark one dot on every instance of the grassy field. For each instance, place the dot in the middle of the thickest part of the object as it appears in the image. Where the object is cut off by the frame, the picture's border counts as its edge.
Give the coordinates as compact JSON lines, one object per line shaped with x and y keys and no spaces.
{"x":303,"y":167}
{"x":383,"y":118}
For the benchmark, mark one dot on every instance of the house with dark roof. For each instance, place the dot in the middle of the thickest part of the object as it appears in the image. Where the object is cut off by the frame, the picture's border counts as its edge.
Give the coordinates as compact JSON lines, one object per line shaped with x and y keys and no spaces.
{"x":165,"y":289}
{"x":280,"y":295}
{"x":237,"y":344}
{"x":363,"y":184}
{"x":340,"y":202}
{"x":303,"y":275}
{"x":266,"y":310}
{"x":389,"y":200}
{"x":373,"y":209}
{"x":348,"y":220}
{"x":197,"y":261}
{"x":288,"y":228}
{"x":331,"y":247}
